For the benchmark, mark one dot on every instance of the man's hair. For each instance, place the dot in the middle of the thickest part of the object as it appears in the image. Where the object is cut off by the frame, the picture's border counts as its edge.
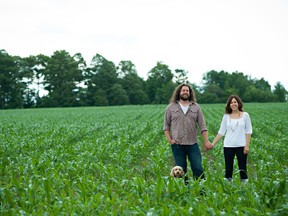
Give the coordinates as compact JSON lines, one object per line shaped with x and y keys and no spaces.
{"x":228,"y":109}
{"x":176,"y":94}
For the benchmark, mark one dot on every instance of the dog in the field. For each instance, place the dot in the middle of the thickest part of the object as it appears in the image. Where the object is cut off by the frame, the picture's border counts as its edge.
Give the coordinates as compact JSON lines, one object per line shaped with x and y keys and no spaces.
{"x":177,"y":172}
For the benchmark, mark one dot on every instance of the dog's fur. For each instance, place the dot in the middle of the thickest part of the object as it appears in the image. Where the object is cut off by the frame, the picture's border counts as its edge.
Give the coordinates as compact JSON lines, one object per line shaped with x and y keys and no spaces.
{"x":177,"y":172}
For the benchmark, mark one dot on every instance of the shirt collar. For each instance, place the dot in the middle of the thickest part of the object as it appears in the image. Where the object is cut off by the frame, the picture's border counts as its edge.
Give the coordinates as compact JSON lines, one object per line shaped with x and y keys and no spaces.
{"x":189,"y":103}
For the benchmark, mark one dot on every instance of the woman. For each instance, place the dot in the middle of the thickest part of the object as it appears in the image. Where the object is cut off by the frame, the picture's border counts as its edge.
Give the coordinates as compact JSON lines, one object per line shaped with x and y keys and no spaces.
{"x":237,"y":128}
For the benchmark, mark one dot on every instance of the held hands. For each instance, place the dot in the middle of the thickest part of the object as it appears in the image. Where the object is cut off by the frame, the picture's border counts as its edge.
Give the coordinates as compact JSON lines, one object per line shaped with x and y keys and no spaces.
{"x":208,"y":145}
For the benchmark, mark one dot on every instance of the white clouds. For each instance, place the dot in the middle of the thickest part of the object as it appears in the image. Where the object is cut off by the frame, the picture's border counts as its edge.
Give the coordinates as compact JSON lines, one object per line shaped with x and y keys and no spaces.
{"x":198,"y":36}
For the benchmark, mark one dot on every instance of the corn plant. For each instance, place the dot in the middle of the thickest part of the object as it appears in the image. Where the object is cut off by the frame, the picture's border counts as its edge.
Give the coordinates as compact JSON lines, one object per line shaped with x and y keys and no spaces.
{"x":117,"y":161}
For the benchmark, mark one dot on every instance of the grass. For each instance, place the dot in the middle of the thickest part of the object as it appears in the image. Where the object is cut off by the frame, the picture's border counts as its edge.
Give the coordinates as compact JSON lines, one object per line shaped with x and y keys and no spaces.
{"x":116,"y":161}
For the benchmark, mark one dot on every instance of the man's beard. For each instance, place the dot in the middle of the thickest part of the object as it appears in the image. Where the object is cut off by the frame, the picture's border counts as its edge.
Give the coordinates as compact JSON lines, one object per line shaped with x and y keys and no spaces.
{"x":184,"y":97}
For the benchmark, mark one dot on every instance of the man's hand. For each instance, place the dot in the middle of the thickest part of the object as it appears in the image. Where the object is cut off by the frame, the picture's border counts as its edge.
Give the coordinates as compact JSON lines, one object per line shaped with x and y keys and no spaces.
{"x":173,"y":142}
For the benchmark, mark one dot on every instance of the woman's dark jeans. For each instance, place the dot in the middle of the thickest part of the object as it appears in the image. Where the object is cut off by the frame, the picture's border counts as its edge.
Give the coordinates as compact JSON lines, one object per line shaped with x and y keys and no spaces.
{"x":180,"y":154}
{"x":229,"y":155}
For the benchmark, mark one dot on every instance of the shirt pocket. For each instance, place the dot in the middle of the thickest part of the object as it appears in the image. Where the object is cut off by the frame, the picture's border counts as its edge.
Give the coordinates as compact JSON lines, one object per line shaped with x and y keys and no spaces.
{"x":193,"y":113}
{"x":175,"y":114}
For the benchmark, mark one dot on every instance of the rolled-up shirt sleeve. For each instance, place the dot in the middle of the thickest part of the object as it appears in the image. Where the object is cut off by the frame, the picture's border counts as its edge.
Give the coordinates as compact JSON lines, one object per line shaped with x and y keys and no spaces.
{"x":248,"y":125}
{"x":223,"y":126}
{"x":167,"y":120}
{"x":201,"y":121}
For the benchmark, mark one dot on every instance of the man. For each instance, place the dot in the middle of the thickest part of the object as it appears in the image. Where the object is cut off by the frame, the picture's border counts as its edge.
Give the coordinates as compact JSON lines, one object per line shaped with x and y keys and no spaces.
{"x":181,"y":118}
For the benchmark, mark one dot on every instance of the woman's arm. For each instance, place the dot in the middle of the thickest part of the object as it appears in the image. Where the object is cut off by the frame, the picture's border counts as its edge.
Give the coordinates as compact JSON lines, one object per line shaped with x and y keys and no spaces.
{"x":216,"y":139}
{"x":246,"y":148}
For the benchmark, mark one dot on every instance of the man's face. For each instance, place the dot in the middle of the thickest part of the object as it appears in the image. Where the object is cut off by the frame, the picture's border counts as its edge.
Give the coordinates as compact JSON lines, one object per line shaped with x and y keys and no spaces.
{"x":184,"y":93}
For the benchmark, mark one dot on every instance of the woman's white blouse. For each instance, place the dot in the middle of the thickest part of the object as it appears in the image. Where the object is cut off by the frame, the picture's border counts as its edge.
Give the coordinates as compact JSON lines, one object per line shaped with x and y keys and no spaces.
{"x":235,"y":130}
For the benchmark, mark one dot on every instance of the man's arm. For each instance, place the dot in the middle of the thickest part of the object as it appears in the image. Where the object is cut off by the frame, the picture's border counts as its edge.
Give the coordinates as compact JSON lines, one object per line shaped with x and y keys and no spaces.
{"x":170,"y":140}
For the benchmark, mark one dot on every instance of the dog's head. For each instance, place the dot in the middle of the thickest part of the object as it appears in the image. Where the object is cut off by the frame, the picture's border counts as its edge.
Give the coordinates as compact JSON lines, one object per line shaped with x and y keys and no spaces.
{"x":177,"y":172}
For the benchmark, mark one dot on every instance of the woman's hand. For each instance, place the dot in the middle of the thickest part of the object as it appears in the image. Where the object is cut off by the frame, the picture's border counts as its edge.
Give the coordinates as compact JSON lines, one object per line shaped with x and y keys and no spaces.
{"x":246,"y":150}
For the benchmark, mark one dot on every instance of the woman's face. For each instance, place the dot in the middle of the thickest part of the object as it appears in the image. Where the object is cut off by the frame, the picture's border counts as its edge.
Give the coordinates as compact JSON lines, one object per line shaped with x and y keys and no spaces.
{"x":234,"y":104}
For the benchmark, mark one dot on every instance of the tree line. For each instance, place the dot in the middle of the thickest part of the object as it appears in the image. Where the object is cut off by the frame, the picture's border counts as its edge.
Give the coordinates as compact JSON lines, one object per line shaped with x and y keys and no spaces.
{"x":69,"y":82}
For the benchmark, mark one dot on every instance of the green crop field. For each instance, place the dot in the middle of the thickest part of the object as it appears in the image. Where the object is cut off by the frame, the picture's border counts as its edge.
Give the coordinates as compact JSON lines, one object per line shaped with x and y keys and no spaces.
{"x":117,"y":161}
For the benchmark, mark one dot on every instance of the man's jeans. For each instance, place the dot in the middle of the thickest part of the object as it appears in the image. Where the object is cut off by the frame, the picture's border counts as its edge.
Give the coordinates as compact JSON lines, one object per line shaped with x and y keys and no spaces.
{"x":180,"y":153}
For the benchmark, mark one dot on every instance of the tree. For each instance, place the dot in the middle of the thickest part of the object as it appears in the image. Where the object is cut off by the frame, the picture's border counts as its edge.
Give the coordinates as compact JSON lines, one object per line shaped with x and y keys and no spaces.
{"x":100,"y":75}
{"x":262,"y":84}
{"x":159,"y":85}
{"x":238,"y":82}
{"x":181,"y":76}
{"x":28,"y":68}
{"x":118,"y":95}
{"x":218,"y":86}
{"x":216,"y":78}
{"x":11,"y":85}
{"x":264,"y":91}
{"x":80,"y":89}
{"x":251,"y":94}
{"x":197,"y":90}
{"x":214,"y":87}
{"x":132,"y":83}
{"x":100,"y":98}
{"x":125,"y":68}
{"x":212,"y":94}
{"x":280,"y":92}
{"x":62,"y":75}
{"x":39,"y":75}
{"x":164,"y":93}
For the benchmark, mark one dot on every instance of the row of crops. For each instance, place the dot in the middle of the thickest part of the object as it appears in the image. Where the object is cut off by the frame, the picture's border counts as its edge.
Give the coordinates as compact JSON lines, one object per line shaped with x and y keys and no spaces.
{"x":116,"y":161}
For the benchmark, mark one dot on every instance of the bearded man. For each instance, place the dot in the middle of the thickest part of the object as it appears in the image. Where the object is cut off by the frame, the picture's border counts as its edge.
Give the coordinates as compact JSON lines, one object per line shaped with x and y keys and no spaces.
{"x":182,"y":116}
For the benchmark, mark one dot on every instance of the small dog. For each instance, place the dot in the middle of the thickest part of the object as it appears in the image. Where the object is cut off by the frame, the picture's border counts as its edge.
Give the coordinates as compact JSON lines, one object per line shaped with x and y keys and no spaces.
{"x":177,"y":172}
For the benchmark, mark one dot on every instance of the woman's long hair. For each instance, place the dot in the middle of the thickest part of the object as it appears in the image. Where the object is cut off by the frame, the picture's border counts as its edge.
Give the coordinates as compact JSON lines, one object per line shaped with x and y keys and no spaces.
{"x":228,"y":109}
{"x":176,"y":94}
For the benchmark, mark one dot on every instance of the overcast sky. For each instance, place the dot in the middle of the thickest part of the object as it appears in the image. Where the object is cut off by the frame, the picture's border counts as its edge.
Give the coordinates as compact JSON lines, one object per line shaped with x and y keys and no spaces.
{"x":249,"y":36}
